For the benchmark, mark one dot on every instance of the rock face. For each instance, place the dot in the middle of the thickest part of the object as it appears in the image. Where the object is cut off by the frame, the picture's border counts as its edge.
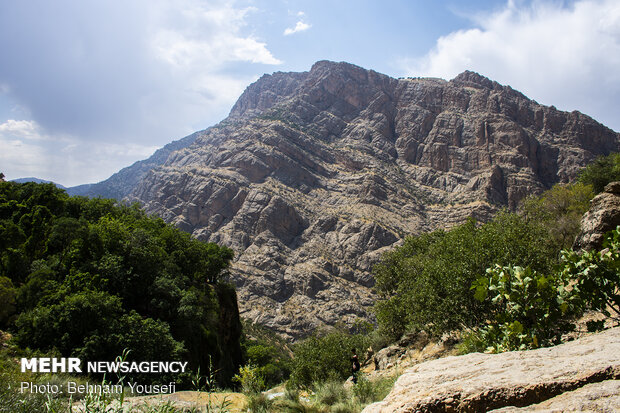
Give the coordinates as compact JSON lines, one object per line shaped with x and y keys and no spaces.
{"x":603,"y":216}
{"x":314,"y":175}
{"x":482,"y":382}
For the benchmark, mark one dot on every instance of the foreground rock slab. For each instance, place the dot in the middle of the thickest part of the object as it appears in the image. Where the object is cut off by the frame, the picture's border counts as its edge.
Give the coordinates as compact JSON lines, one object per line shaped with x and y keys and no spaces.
{"x":601,"y":397}
{"x":482,"y":382}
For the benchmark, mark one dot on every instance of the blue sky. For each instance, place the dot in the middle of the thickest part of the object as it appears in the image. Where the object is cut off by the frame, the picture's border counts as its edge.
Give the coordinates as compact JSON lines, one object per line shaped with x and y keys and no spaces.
{"x":88,"y":87}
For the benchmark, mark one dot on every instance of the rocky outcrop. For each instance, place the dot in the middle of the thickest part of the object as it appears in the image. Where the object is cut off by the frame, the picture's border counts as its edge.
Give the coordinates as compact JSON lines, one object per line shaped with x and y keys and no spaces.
{"x":539,"y":379}
{"x":603,"y":216}
{"x":314,"y":175}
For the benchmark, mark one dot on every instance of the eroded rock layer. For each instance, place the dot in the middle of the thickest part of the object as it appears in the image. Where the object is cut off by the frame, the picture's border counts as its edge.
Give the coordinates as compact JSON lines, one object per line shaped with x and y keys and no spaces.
{"x":313,"y":175}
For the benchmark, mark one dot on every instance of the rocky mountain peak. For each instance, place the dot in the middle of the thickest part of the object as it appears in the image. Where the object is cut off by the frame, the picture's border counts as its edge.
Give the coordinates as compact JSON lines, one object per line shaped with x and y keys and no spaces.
{"x":315,"y":174}
{"x":266,"y":92}
{"x":473,"y":79}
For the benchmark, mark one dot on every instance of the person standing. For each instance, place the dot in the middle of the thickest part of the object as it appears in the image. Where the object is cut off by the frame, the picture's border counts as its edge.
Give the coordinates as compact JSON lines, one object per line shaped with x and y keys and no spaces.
{"x":355,"y":365}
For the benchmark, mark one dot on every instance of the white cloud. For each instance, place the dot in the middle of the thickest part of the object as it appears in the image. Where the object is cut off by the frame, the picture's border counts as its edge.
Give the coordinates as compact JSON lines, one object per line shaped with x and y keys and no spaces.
{"x":28,"y":151}
{"x":208,"y":37}
{"x":91,"y":76}
{"x":565,"y":56}
{"x":299,"y":27}
{"x":21,"y":129}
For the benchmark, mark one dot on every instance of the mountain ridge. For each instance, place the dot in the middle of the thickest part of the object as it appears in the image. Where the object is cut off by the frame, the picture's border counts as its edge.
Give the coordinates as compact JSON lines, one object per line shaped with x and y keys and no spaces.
{"x":314,"y":175}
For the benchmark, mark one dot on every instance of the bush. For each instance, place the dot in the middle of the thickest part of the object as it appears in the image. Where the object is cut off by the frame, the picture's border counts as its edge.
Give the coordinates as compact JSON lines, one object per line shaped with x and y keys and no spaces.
{"x":597,"y":275}
{"x":259,"y":403}
{"x":529,"y":310}
{"x":602,"y":171}
{"x":425,"y":284}
{"x":330,"y":392}
{"x":364,"y":390}
{"x":559,"y":211}
{"x":250,"y":379}
{"x":323,"y":358}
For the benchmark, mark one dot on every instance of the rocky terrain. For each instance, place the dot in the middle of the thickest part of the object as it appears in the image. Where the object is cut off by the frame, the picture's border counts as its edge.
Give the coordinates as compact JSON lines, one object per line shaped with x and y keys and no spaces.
{"x":603,"y":216}
{"x":315,"y":174}
{"x":582,"y":375}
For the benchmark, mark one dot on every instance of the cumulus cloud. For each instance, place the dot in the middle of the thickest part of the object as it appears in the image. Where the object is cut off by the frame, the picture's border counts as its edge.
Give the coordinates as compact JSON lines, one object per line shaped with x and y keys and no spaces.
{"x":299,"y":27}
{"x":145,"y":71}
{"x":562,"y":55}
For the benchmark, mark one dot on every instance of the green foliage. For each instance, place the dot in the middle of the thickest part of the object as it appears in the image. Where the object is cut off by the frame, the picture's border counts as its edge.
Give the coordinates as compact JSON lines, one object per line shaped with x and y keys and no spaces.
{"x":559,"y":211}
{"x":365,"y":390}
{"x":85,"y":277}
{"x":531,"y":310}
{"x":267,"y":351}
{"x":330,"y":392}
{"x":602,"y":171}
{"x":7,"y":300}
{"x":425,"y":283}
{"x":259,"y":403}
{"x":528,"y":309}
{"x":319,"y":358}
{"x":597,"y":275}
{"x":250,"y":379}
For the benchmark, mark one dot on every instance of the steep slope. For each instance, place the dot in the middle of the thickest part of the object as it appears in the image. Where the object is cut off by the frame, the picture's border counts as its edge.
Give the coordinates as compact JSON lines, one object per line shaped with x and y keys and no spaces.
{"x":119,"y":185}
{"x":313,"y":175}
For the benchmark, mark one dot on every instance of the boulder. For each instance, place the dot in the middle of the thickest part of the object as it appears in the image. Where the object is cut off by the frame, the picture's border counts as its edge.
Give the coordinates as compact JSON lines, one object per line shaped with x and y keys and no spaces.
{"x":603,"y":216}
{"x":595,"y":397}
{"x":482,"y":382}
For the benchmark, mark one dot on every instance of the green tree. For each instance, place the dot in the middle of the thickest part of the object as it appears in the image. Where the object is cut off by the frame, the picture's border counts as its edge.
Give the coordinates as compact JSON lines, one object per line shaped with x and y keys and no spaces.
{"x":602,"y":171}
{"x":7,"y":300}
{"x":88,"y":276}
{"x":319,"y":358}
{"x":559,"y":211}
{"x":425,"y":283}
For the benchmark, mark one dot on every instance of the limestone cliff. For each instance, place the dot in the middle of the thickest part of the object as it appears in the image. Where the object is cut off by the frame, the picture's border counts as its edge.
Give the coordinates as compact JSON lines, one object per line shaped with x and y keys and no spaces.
{"x":313,"y":175}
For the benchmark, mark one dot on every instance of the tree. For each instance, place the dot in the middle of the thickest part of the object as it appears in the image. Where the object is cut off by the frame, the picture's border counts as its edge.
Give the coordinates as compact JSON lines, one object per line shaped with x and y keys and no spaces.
{"x":7,"y":300}
{"x":319,"y":358}
{"x":602,"y":171}
{"x":425,"y":283}
{"x":559,"y":210}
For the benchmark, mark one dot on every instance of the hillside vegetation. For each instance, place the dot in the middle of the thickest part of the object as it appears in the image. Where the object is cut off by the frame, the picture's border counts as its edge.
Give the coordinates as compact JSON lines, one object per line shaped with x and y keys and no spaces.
{"x":87,"y":278}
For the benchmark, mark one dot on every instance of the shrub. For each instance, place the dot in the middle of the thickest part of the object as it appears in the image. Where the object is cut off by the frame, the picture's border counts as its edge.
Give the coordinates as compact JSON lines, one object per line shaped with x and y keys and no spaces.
{"x":602,"y":171}
{"x":321,"y":358}
{"x":597,"y":275}
{"x":559,"y":211}
{"x":529,"y":310}
{"x":250,"y":379}
{"x":330,"y":392}
{"x":364,"y":390}
{"x":425,"y":284}
{"x":259,"y":403}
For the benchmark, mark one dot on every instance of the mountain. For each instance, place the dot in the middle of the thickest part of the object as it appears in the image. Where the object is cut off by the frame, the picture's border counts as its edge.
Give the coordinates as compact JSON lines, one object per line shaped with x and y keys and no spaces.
{"x":120,"y":184}
{"x":36,"y":180}
{"x":314,"y":175}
